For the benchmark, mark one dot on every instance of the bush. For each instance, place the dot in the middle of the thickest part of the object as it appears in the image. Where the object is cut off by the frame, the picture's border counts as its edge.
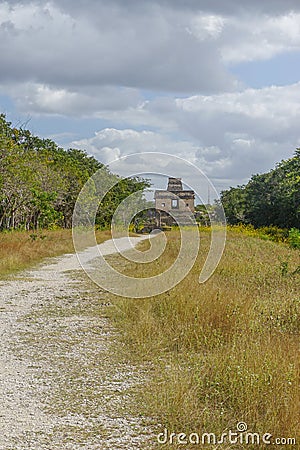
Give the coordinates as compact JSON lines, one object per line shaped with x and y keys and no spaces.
{"x":274,"y":233}
{"x":294,"y":238}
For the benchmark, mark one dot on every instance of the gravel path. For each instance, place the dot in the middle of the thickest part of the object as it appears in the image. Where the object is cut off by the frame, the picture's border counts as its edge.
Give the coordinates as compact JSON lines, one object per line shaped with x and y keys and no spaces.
{"x":61,"y":386}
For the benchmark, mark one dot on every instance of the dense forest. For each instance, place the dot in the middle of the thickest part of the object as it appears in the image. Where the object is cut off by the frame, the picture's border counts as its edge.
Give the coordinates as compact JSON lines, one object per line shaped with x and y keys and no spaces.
{"x":268,"y":199}
{"x":40,"y":182}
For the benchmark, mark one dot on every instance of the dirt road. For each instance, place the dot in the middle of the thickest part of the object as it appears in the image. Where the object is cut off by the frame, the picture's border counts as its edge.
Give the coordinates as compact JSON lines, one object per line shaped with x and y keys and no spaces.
{"x":61,"y":385}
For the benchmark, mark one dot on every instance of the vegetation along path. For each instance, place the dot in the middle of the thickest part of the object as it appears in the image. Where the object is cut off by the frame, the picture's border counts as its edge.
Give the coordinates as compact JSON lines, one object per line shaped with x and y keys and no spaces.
{"x":61,"y":385}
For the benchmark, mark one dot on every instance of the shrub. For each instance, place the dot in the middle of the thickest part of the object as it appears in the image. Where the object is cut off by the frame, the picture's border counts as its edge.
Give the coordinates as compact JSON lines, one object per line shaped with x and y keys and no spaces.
{"x":294,"y":238}
{"x":274,"y":233}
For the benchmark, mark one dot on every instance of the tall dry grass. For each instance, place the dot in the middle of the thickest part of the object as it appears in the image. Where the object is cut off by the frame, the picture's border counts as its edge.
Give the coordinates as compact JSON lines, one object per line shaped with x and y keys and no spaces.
{"x":222,"y":352}
{"x":20,"y":249}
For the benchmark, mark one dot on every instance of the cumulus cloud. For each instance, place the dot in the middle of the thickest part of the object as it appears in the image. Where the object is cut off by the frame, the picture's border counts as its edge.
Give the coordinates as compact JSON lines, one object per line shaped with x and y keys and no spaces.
{"x":166,"y":46}
{"x":252,"y":129}
{"x":38,"y":98}
{"x":242,"y":158}
{"x":140,"y":48}
{"x":228,"y":7}
{"x":110,"y":143}
{"x":159,"y":72}
{"x":230,"y":136}
{"x":271,"y":113}
{"x":259,"y":37}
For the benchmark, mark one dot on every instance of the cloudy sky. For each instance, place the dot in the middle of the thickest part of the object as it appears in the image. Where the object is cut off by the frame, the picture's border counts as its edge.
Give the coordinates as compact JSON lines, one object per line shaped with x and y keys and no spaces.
{"x":214,"y":81}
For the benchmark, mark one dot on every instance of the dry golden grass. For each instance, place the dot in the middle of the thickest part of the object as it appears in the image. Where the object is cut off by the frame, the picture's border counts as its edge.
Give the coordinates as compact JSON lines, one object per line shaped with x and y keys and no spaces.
{"x":225,"y":351}
{"x":20,"y":249}
{"x":222,"y":352}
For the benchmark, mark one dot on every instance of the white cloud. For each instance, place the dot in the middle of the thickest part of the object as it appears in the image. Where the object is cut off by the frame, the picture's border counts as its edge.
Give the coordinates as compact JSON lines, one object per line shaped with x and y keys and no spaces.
{"x":272,"y":113}
{"x":142,"y":48}
{"x":248,"y":36}
{"x":206,"y":26}
{"x":243,"y":157}
{"x":268,"y":102}
{"x":253,"y":129}
{"x":37,"y":98}
{"x":259,"y":37}
{"x":129,"y":62}
{"x":231,"y":136}
{"x":111,"y":142}
{"x":149,"y":46}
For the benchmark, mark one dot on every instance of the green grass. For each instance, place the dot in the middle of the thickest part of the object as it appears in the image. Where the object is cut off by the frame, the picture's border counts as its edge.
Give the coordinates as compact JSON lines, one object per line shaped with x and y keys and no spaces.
{"x":222,"y":352}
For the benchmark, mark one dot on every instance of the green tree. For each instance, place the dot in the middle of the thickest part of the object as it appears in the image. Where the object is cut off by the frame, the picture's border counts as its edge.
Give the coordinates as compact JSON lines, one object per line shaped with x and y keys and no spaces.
{"x":272,"y":198}
{"x":234,"y":204}
{"x":40,"y":181}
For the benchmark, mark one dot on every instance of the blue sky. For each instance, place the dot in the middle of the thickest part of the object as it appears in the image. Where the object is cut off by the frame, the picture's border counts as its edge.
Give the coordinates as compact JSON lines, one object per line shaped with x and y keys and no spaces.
{"x":214,"y":82}
{"x":281,"y":70}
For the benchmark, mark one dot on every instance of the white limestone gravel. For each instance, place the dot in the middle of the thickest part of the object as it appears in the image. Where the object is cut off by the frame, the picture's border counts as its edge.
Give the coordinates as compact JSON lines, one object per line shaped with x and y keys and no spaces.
{"x":60,"y":386}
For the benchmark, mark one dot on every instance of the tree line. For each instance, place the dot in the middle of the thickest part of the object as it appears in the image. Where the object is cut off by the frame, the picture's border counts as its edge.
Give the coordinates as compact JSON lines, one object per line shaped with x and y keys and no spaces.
{"x":268,"y":199}
{"x":40,"y":181}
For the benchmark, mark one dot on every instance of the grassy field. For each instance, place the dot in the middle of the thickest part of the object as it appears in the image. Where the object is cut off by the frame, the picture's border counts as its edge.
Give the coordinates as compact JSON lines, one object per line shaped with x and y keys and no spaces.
{"x":217,"y":354}
{"x":223,"y":352}
{"x":20,"y":250}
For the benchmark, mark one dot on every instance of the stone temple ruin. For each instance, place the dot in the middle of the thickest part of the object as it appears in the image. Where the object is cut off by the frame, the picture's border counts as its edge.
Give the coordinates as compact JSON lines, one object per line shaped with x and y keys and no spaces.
{"x":176,"y":202}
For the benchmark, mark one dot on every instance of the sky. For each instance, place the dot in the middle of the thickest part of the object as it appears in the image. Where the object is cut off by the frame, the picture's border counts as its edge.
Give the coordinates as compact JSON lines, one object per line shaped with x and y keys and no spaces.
{"x":216,"y":82}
